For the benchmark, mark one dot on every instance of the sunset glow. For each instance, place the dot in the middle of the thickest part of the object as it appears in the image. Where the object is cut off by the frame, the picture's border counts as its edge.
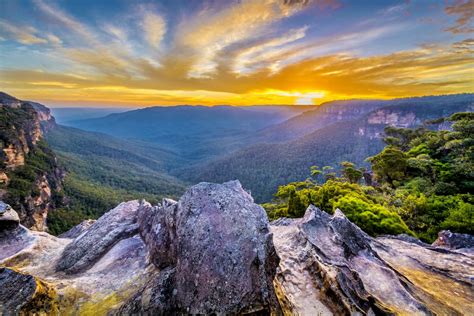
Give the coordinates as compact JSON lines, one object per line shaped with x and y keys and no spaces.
{"x":144,"y":53}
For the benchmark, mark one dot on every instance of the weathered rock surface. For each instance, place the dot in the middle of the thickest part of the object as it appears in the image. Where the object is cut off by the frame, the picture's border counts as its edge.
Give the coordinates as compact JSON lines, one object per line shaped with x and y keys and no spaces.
{"x":212,"y":252}
{"x":329,"y":266}
{"x":226,"y":260}
{"x":13,"y":236}
{"x":157,"y":229}
{"x":117,"y":224}
{"x":441,"y":279}
{"x":449,"y":240}
{"x":24,"y":294}
{"x":115,"y":271}
{"x":8,"y":217}
{"x":219,"y":254}
{"x":155,"y":298}
{"x":78,"y":229}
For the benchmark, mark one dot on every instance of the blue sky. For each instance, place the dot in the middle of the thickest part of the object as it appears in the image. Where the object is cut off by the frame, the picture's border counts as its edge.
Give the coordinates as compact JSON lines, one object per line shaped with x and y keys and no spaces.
{"x":239,"y":52}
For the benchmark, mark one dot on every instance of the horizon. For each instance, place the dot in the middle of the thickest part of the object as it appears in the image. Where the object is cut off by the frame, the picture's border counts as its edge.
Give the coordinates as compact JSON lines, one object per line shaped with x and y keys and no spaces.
{"x":272,"y":52}
{"x":138,"y":107}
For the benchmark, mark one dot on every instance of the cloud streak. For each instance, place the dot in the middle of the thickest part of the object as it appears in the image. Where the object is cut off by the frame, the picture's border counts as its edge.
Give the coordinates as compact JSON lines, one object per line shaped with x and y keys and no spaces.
{"x":24,"y":35}
{"x":245,"y":52}
{"x":464,"y":11}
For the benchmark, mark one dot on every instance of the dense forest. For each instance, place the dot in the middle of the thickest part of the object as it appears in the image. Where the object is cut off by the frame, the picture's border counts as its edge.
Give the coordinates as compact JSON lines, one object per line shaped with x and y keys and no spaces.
{"x":420,"y":183}
{"x":350,"y":132}
{"x":102,"y":171}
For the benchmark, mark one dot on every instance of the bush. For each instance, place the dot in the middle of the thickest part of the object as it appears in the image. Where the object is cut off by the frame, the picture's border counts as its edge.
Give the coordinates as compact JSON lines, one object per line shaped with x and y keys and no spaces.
{"x":372,"y":218}
{"x":425,"y":184}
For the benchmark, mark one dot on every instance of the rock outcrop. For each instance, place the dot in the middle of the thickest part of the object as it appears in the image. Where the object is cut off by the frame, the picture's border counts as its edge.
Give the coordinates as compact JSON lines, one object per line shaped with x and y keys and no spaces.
{"x":8,"y":217}
{"x":447,"y":239}
{"x":329,"y":266}
{"x":77,"y":230}
{"x":22,"y":124}
{"x":108,"y":274}
{"x":216,"y":249}
{"x":214,"y":252}
{"x":87,"y":248}
{"x":26,"y":295}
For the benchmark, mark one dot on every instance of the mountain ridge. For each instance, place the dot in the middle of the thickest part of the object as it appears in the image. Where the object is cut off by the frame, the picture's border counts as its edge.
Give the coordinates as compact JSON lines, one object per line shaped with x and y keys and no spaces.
{"x":31,"y":179}
{"x":263,"y":166}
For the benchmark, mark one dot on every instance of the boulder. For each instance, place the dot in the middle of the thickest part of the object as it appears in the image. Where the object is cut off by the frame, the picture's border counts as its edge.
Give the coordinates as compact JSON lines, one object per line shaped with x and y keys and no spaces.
{"x":77,"y":230}
{"x":24,"y":294}
{"x":449,"y":240}
{"x":13,"y":236}
{"x":155,"y":298}
{"x":12,"y":241}
{"x":8,"y":217}
{"x":330,"y":266}
{"x":85,"y":250}
{"x":216,"y":245}
{"x":157,"y":229}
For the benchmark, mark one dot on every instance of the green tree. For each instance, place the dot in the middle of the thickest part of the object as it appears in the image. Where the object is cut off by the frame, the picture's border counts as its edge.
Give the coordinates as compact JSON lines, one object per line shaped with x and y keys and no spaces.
{"x":425,"y":182}
{"x":350,"y":172}
{"x":296,"y":207}
{"x":390,"y":165}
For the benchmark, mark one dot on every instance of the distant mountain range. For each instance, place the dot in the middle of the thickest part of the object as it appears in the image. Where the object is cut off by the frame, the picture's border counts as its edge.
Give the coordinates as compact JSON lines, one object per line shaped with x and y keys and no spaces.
{"x":328,"y":135}
{"x":194,"y":132}
{"x":66,"y":115}
{"x":158,"y":151}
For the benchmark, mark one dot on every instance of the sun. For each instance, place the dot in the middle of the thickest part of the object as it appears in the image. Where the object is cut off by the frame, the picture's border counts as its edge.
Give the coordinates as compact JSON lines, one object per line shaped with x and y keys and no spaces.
{"x":307,"y":98}
{"x":304,"y":101}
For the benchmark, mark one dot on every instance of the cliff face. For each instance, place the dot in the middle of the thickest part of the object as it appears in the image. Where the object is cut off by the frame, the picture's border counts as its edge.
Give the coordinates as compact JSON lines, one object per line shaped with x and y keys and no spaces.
{"x":214,"y":253}
{"x":29,"y":175}
{"x":410,"y":115}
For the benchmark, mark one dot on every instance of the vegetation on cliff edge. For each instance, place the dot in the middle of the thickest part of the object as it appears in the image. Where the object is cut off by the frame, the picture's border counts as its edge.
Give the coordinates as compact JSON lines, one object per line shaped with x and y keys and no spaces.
{"x":422,"y":183}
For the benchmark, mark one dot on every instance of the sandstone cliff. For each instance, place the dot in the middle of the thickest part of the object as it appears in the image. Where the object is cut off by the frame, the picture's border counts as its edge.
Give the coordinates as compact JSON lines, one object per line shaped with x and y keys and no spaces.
{"x":29,"y":174}
{"x":214,"y":252}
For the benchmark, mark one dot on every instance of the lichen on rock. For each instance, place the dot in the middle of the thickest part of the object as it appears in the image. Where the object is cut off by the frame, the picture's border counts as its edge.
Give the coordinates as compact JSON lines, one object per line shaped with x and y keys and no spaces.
{"x":25,"y":294}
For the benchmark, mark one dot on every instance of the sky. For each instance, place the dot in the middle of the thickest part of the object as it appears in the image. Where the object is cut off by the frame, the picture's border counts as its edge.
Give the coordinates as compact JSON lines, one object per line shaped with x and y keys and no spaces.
{"x":243,"y":52}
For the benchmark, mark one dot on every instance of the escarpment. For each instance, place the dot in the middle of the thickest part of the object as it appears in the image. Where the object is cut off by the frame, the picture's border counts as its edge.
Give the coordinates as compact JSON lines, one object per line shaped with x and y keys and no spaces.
{"x":214,"y":252}
{"x":30,"y":179}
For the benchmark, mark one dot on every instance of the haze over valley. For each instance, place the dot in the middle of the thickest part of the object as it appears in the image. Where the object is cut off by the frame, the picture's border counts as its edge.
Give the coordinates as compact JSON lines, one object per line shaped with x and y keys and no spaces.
{"x":257,"y":146}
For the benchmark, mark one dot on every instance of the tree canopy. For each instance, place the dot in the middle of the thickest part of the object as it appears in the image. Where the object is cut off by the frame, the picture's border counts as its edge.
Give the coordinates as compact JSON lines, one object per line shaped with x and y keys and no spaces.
{"x":419,"y":184}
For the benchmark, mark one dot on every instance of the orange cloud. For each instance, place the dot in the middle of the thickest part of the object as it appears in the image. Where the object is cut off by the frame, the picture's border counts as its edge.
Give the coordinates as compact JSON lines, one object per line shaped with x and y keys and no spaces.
{"x":410,"y":73}
{"x":464,"y":10}
{"x":221,"y":56}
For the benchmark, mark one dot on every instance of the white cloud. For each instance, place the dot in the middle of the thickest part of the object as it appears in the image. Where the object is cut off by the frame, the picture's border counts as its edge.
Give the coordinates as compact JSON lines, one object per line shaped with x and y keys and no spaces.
{"x":154,"y":28}
{"x":53,"y":39}
{"x":24,"y":35}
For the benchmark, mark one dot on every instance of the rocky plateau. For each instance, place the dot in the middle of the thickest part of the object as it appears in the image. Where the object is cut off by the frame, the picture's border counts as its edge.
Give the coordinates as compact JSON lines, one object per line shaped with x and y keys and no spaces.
{"x":215,"y":252}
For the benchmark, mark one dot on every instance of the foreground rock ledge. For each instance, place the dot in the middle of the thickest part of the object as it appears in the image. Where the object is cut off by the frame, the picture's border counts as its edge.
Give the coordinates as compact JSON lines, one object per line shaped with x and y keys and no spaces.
{"x":217,"y":251}
{"x":330,"y":266}
{"x":214,"y":252}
